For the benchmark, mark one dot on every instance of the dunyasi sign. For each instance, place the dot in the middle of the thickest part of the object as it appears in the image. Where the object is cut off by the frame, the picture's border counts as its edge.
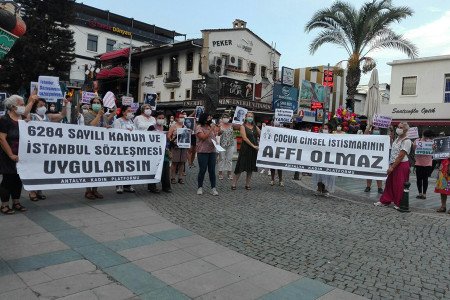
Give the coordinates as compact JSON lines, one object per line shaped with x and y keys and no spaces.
{"x":7,"y":40}
{"x":285,"y":97}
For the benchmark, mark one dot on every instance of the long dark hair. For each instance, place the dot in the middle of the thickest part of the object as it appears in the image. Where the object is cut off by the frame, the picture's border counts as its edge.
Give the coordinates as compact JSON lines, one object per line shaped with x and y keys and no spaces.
{"x":203,"y":119}
{"x":33,"y":108}
{"x":122,"y":109}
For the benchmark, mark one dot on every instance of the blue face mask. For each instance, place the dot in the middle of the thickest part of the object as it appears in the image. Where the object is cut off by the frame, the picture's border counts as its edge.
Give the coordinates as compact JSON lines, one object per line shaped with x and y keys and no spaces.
{"x":377,"y":132}
{"x":250,"y":119}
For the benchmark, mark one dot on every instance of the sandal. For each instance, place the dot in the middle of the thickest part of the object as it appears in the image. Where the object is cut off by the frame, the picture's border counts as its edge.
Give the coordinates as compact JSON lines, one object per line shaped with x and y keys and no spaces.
{"x":281,"y":184}
{"x":35,"y":198}
{"x":220,"y":177}
{"x":7,"y":211}
{"x":173,"y":181}
{"x":442,"y":210}
{"x":41,"y":196}
{"x":248,"y":188}
{"x":19,"y":207}
{"x":97,"y":195}
{"x":181,"y":181}
{"x":233,"y":187}
{"x":271,"y":182}
{"x":89,"y":195}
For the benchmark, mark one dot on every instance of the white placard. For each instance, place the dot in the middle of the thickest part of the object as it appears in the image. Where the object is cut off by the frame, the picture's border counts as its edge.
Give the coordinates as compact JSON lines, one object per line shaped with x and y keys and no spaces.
{"x":33,"y":85}
{"x":151,"y":99}
{"x":183,"y":138}
{"x":413,"y":133}
{"x":381,"y":121}
{"x":424,"y":148}
{"x":239,"y":115}
{"x":48,"y":88}
{"x":60,"y":156}
{"x":87,"y":96}
{"x":109,"y":100}
{"x":442,"y":148}
{"x":127,"y":100}
{"x":347,"y":155}
{"x":134,"y":107}
{"x":283,"y":116}
{"x":198,"y":111}
{"x":189,"y":122}
{"x":218,"y":147}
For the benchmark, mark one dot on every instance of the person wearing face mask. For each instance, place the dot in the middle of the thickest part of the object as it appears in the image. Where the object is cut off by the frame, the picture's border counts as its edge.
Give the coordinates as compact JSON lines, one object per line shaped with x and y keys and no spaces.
{"x":179,"y":155}
{"x":398,"y":172}
{"x":145,"y":119}
{"x":81,"y":113}
{"x":11,"y":185}
{"x":165,"y":176}
{"x":227,"y":142}
{"x":249,"y":150}
{"x":125,"y":121}
{"x":52,"y":109}
{"x":339,"y":129}
{"x":423,"y":165}
{"x":375,"y":130}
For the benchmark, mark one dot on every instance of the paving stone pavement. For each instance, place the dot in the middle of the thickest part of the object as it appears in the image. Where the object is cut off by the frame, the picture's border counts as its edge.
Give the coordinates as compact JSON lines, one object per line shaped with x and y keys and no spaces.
{"x":343,"y":241}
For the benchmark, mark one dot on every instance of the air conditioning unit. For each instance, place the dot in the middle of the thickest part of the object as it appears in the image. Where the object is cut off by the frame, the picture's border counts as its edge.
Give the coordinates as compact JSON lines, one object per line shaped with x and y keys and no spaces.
{"x":233,"y":61}
{"x":220,"y":62}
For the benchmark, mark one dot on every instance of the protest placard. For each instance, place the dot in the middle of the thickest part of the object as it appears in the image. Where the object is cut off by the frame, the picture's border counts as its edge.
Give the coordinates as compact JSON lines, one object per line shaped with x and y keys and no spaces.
{"x":33,"y":85}
{"x":413,"y":133}
{"x":109,"y":100}
{"x":382,"y":121}
{"x":134,"y":107}
{"x":184,"y":138}
{"x":348,"y":155}
{"x":239,"y":115}
{"x":127,"y":100}
{"x":283,"y":116}
{"x":189,"y":122}
{"x":442,"y":148}
{"x":59,"y":156}
{"x":198,"y":111}
{"x":151,"y":99}
{"x":87,"y":96}
{"x":2,"y":106}
{"x":48,"y":88}
{"x":218,"y":147}
{"x":424,"y":148}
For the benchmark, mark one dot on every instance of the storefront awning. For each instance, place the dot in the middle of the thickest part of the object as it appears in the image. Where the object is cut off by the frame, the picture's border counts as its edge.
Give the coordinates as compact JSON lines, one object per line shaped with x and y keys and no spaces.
{"x":103,"y":74}
{"x":117,"y":72}
{"x":114,"y":54}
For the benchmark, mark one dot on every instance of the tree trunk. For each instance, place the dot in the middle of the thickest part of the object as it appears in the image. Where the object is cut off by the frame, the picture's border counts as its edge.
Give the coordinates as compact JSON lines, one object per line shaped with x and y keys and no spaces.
{"x":352,"y":81}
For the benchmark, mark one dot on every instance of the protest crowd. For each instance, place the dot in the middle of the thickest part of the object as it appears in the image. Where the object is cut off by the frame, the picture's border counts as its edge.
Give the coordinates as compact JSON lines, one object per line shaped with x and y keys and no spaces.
{"x":198,"y":135}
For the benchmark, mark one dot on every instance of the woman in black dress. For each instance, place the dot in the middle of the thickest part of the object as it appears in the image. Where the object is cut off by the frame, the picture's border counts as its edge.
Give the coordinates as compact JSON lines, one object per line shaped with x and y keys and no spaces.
{"x":249,"y":150}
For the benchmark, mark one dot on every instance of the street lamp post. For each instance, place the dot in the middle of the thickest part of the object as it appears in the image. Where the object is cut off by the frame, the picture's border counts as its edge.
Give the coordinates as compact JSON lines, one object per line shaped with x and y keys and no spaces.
{"x":325,"y":101}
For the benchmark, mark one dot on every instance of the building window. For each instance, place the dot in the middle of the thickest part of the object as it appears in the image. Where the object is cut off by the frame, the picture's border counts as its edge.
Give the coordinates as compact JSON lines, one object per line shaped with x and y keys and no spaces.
{"x":188,"y":94}
{"x":240,"y":60}
{"x":190,"y":62}
{"x":447,"y":89}
{"x":110,"y":45}
{"x":92,"y":42}
{"x":274,"y":75}
{"x":263,"y":71}
{"x":252,"y":68}
{"x":409,"y":85}
{"x":159,"y":66}
{"x":172,"y":95}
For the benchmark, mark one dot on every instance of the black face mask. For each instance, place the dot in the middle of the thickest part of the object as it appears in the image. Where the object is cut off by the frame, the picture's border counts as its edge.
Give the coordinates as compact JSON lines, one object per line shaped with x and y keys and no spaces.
{"x":209,"y":122}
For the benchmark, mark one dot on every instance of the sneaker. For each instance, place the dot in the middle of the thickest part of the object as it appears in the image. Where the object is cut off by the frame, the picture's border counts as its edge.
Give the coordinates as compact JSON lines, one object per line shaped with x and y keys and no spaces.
{"x":129,"y":190}
{"x":268,"y":173}
{"x":191,"y":166}
{"x":262,"y":171}
{"x":326,"y":194}
{"x":380,"y":191}
{"x":119,"y":190}
{"x":214,"y":192}
{"x":396,"y":207}
{"x":367,"y":189}
{"x":380,"y":204}
{"x":200,"y":191}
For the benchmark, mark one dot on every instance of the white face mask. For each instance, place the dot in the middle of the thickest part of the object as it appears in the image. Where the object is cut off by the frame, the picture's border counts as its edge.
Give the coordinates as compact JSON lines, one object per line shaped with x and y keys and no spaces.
{"x":399,"y":131}
{"x":20,"y":110}
{"x":85,"y":111}
{"x":339,"y":128}
{"x":129,"y":116}
{"x":41,"y":110}
{"x":148,"y":112}
{"x":52,"y":108}
{"x":160,"y":122}
{"x":226,"y":120}
{"x":181,"y":120}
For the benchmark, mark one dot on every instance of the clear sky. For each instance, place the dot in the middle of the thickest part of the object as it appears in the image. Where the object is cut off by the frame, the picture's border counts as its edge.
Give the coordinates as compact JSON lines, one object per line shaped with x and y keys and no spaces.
{"x":283,"y":22}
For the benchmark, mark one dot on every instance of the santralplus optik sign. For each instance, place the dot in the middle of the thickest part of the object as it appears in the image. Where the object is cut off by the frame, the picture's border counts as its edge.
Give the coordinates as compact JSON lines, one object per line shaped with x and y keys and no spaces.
{"x":93,"y":23}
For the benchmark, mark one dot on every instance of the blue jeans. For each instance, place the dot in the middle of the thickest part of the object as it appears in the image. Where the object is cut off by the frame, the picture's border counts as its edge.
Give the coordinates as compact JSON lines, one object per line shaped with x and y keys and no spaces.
{"x":207,"y":161}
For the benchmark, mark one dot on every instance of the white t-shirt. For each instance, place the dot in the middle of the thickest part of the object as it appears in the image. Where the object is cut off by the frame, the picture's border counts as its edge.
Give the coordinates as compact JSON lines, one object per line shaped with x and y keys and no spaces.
{"x":80,"y":119}
{"x":143,"y":123}
{"x":120,"y":123}
{"x":399,"y":145}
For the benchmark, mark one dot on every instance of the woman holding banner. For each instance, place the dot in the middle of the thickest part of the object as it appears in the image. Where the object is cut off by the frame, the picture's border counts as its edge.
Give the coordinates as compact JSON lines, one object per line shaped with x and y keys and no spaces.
{"x":249,"y":150}
{"x":38,"y":113}
{"x":11,"y":186}
{"x":398,"y":172}
{"x":423,"y":165}
{"x":125,"y":121}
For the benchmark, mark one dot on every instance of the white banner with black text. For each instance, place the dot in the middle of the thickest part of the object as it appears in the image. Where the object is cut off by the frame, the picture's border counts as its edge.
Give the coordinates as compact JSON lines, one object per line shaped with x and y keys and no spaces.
{"x":348,"y":155}
{"x":57,"y":156}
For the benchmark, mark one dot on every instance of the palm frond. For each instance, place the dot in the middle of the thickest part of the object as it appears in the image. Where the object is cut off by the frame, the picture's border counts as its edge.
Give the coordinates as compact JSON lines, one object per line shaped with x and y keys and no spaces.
{"x":390,"y":39}
{"x":328,"y":36}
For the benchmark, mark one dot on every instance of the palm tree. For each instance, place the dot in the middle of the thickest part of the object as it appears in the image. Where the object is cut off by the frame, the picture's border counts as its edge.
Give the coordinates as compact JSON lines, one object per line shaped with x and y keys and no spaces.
{"x":359,"y":33}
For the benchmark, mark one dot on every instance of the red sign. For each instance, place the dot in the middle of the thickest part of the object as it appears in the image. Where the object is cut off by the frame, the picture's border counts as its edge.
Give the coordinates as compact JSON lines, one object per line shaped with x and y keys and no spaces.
{"x":328,"y":79}
{"x":301,"y":113}
{"x":316,"y":105}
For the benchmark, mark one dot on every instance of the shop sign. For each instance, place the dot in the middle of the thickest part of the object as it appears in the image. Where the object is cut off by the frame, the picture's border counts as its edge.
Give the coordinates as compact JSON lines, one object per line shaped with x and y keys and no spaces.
{"x":230,"y":88}
{"x":285,"y":97}
{"x":224,"y":102}
{"x":416,"y":111}
{"x":7,"y":40}
{"x":95,"y":24}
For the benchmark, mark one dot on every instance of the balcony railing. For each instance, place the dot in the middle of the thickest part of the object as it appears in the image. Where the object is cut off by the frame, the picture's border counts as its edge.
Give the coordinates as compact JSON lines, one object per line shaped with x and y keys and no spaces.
{"x":172,"y":77}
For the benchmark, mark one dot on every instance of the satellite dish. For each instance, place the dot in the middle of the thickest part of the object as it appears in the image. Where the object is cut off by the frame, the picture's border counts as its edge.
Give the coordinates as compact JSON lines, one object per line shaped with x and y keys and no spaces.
{"x":257,"y":79}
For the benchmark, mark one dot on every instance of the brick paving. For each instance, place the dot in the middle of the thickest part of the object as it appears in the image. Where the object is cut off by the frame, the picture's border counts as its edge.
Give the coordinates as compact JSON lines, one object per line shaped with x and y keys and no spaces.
{"x":343,"y":241}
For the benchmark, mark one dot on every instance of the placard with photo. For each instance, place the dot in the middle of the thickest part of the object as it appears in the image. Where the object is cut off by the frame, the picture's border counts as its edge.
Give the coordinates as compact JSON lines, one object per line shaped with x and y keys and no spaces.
{"x":184,"y":138}
{"x":189,"y":122}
